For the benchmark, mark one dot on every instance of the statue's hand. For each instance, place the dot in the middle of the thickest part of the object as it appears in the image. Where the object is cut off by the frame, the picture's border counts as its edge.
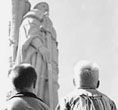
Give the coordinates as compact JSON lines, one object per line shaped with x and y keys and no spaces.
{"x":45,"y":53}
{"x":47,"y":24}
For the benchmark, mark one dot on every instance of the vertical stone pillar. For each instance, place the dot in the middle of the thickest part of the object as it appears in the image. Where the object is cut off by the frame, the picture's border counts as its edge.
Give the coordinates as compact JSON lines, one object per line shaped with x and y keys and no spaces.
{"x":18,"y":9}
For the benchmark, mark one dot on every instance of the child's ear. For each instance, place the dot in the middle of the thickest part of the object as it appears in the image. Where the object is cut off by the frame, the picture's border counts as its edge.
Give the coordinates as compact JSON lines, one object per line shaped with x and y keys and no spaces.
{"x":74,"y":82}
{"x":34,"y":84}
{"x":98,"y":83}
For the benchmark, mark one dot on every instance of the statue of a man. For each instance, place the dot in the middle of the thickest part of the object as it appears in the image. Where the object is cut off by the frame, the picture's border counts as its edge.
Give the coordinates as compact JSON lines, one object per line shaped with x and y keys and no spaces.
{"x":38,"y":46}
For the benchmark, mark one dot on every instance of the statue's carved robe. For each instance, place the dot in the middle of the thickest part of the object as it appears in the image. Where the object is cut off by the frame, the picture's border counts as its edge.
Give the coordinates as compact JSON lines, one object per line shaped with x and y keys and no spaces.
{"x":34,"y":30}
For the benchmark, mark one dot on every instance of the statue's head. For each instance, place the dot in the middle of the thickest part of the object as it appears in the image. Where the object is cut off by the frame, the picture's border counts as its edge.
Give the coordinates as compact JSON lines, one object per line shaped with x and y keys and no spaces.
{"x":42,"y":6}
{"x":27,"y":6}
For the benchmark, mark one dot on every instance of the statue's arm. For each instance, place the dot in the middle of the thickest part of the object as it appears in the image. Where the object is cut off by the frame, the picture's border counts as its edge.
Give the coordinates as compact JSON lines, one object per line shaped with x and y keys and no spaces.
{"x":41,"y":48}
{"x":33,"y":33}
{"x":37,"y":41}
{"x":48,"y":27}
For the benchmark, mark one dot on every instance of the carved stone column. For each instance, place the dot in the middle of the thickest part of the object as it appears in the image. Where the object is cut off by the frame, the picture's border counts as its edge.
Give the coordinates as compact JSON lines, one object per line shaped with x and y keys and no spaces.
{"x":18,"y":9}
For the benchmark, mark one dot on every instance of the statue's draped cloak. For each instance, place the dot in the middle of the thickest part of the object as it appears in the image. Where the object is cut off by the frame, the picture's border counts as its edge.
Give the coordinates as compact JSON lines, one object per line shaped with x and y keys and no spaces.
{"x":37,"y":26}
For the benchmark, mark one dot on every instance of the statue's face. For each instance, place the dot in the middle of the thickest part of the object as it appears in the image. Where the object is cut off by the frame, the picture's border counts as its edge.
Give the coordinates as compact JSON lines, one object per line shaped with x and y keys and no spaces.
{"x":43,"y":7}
{"x":26,"y":7}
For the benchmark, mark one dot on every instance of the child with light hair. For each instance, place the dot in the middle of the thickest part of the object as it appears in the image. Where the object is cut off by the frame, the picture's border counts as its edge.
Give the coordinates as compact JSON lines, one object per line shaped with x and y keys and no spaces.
{"x":86,"y":75}
{"x":86,"y":96}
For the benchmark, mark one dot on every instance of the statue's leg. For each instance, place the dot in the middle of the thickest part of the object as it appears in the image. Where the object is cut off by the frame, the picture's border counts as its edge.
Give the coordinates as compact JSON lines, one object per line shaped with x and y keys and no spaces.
{"x":46,"y":86}
{"x":55,"y":72}
{"x":55,"y":83}
{"x":41,"y":86}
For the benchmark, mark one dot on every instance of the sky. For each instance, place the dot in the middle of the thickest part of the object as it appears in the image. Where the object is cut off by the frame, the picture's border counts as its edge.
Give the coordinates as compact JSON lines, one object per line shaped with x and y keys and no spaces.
{"x":86,"y":30}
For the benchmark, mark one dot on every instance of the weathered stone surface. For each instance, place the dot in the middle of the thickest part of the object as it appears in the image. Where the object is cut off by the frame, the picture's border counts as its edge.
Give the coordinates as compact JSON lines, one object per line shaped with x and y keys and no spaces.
{"x":18,"y":10}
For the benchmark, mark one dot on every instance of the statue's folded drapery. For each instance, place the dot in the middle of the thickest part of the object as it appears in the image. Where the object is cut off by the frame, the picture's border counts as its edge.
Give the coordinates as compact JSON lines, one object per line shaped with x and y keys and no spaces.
{"x":33,"y":48}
